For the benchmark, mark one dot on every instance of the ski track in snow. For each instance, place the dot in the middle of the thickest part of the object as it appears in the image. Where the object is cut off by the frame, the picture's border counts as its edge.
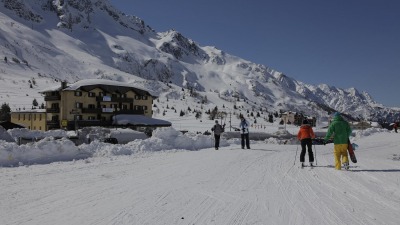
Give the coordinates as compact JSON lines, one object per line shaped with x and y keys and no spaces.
{"x":230,"y":186}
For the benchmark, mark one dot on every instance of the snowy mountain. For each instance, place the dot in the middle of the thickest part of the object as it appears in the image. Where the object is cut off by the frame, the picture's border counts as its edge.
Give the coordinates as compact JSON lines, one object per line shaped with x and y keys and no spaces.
{"x":44,"y":42}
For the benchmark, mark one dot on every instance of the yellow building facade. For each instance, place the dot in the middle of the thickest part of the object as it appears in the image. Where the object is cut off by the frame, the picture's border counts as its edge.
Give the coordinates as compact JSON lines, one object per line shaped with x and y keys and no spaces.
{"x":30,"y":119}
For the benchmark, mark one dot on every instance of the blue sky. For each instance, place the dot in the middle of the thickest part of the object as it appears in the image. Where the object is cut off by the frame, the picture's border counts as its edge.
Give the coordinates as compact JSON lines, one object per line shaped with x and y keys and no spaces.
{"x":342,"y":43}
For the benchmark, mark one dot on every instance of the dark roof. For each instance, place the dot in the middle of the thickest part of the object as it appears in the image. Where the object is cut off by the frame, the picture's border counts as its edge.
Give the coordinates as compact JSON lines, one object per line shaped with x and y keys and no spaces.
{"x":112,"y":89}
{"x":8,"y":125}
{"x":139,"y":120}
{"x":106,"y":85}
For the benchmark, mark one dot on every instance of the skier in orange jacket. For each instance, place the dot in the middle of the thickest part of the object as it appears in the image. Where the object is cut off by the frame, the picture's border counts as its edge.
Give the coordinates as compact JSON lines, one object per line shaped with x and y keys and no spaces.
{"x":305,"y":135}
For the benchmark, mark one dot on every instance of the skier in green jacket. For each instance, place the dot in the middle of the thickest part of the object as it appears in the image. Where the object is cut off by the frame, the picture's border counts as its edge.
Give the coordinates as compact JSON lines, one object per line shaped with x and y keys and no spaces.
{"x":341,"y":131}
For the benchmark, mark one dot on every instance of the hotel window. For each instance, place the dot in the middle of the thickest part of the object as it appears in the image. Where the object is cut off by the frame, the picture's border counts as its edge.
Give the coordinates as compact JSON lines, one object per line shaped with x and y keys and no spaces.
{"x":91,"y":118}
{"x":92,"y":94}
{"x":138,"y":107}
{"x":79,"y":105}
{"x":78,"y":93}
{"x":141,"y":97}
{"x":55,"y":105}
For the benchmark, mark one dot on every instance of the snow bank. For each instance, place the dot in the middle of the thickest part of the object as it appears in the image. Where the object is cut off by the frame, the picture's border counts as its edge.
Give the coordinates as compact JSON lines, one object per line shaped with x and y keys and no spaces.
{"x":45,"y":151}
{"x":26,"y":133}
{"x":50,"y":150}
{"x":126,"y":135}
{"x":368,"y":132}
{"x":169,"y":138}
{"x":5,"y":136}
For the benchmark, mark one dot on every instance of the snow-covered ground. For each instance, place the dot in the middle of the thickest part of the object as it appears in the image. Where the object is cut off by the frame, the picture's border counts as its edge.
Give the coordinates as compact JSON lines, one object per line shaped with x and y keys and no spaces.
{"x":173,"y":178}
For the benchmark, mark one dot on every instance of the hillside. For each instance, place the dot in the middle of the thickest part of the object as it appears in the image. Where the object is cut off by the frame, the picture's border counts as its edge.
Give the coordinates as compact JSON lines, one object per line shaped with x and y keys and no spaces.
{"x":46,"y":42}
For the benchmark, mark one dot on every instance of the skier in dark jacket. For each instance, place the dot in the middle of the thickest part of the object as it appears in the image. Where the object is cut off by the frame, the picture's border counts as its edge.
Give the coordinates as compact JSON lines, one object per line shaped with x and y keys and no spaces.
{"x":305,"y":135}
{"x":341,"y":131}
{"x":218,"y":130}
{"x":244,"y":131}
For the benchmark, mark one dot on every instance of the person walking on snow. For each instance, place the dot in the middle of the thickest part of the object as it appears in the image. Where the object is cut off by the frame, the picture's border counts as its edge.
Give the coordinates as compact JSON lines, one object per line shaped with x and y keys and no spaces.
{"x":218,"y":130}
{"x":341,"y":131}
{"x":244,"y":131}
{"x":305,"y":135}
{"x":395,"y":126}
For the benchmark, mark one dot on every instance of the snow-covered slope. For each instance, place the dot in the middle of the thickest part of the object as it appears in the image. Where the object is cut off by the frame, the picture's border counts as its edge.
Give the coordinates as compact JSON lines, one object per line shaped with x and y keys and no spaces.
{"x":49,"y":41}
{"x":138,"y":183}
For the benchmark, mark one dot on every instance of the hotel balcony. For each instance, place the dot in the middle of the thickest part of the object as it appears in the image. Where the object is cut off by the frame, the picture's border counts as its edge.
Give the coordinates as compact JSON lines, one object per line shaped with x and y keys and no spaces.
{"x":53,"y":110}
{"x":52,"y":98}
{"x":53,"y":122}
{"x":112,"y":111}
{"x":113,"y":99}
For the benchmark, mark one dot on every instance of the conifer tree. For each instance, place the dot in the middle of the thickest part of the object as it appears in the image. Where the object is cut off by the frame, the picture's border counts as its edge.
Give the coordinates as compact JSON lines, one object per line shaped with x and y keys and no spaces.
{"x":5,"y":112}
{"x":35,"y":103}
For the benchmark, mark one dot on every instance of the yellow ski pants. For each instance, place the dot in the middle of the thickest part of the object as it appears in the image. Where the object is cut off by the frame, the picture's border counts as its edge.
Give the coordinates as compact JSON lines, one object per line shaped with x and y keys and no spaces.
{"x":340,"y":154}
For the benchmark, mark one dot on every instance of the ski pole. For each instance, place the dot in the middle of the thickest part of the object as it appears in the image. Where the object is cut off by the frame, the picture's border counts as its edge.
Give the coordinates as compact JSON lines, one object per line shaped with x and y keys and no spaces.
{"x":295,"y":157}
{"x":212,"y":139}
{"x":316,"y":161}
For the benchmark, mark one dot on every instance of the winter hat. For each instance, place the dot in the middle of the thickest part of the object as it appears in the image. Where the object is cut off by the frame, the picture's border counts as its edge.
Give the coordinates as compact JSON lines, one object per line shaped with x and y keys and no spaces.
{"x":305,"y":121}
{"x":216,"y":121}
{"x":241,"y":116}
{"x":336,"y":114}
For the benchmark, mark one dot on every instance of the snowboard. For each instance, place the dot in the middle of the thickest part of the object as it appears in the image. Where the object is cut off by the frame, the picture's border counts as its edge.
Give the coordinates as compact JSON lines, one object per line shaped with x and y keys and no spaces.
{"x":351,"y":152}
